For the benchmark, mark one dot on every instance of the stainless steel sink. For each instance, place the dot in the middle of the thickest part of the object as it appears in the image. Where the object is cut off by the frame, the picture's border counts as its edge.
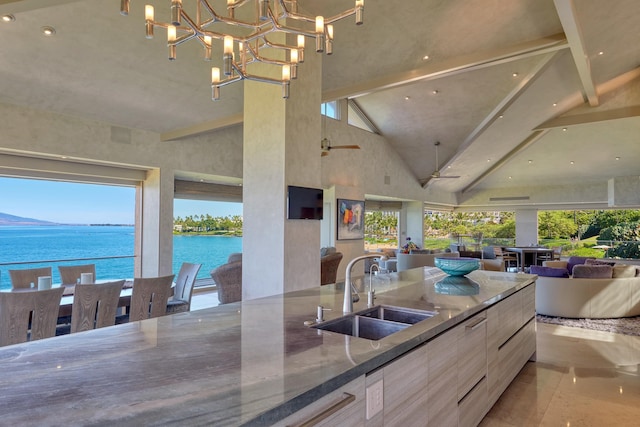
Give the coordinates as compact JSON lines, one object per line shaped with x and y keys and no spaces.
{"x":397,"y":314}
{"x":376,"y":322}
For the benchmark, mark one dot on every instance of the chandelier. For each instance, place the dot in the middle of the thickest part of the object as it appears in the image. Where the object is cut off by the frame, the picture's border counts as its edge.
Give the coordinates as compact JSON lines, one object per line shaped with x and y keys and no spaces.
{"x":246,"y":40}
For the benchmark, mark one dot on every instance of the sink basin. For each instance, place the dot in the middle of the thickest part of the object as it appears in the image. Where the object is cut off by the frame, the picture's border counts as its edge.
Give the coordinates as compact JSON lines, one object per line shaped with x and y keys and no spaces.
{"x":397,"y":314}
{"x":376,"y":322}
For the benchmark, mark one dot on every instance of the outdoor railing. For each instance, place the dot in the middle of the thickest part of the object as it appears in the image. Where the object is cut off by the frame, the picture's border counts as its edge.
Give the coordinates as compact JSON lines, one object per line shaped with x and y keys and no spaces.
{"x":106,"y":267}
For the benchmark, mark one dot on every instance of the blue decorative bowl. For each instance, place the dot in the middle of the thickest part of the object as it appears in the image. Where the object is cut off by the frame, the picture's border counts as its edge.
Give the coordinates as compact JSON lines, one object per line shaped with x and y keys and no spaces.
{"x":457,"y":266}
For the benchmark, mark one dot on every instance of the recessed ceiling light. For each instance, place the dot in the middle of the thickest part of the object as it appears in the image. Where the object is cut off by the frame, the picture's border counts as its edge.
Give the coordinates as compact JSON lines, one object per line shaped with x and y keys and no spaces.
{"x":435,"y":91}
{"x":515,"y":74}
{"x":555,"y":104}
{"x":48,"y":31}
{"x":530,"y":161}
{"x":407,"y":98}
{"x":425,"y":58}
{"x":488,"y":160}
{"x":500,"y":116}
{"x":8,"y":18}
{"x":617,"y":158}
{"x":509,"y":177}
{"x":571,"y":162}
{"x":601,"y":53}
{"x":564,"y":129}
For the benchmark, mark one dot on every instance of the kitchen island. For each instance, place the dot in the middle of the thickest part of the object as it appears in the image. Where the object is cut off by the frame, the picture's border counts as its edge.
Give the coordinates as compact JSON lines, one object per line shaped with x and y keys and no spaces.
{"x":256,"y":362}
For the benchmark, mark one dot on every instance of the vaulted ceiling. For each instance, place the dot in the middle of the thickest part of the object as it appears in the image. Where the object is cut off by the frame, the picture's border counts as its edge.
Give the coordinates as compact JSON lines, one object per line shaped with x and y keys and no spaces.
{"x":519,"y":93}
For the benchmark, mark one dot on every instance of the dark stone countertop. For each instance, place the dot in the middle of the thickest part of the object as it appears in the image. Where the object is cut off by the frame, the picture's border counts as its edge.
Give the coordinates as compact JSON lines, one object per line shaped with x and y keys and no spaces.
{"x":246,"y":363}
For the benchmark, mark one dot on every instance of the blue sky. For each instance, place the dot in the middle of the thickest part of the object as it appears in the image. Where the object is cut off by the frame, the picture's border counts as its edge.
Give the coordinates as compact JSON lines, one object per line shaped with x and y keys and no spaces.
{"x":72,"y":203}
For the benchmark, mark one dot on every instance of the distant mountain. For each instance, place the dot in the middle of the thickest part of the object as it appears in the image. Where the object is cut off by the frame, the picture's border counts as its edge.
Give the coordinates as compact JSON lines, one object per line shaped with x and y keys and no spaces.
{"x":6,"y":219}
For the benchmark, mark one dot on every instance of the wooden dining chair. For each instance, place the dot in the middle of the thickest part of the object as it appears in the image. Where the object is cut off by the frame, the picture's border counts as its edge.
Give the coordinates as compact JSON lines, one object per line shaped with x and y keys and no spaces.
{"x":329,"y":268}
{"x":507,"y":257}
{"x":70,"y":274}
{"x":28,"y":315}
{"x":149,"y":297}
{"x":27,"y":278}
{"x":95,"y":305}
{"x":183,"y":291}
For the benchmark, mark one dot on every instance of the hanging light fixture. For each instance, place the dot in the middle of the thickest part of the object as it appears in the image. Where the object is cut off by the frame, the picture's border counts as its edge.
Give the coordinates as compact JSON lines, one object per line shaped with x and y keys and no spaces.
{"x":250,"y":37}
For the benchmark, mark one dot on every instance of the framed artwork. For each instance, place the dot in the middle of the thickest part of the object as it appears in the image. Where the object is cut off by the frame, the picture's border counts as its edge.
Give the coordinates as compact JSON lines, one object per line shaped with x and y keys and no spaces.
{"x":350,"y":219}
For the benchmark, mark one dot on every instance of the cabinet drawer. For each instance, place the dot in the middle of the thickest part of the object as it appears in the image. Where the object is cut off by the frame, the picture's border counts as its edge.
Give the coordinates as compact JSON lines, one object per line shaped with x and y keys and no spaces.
{"x":472,"y":352}
{"x":344,"y":407}
{"x":528,"y":302}
{"x":510,"y":316}
{"x":515,"y":353}
{"x":473,"y":407}
{"x":442,"y":402}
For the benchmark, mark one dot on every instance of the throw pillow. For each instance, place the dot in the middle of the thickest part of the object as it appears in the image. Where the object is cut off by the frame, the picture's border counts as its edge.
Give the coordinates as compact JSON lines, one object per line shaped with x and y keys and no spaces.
{"x":549,"y":271}
{"x":583,"y":271}
{"x":575,"y":260}
{"x":624,"y":270}
{"x":488,"y":252}
{"x":599,"y":262}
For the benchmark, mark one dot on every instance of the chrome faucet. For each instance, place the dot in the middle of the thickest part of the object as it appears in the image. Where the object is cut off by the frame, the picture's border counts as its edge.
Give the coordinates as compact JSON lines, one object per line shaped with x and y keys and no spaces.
{"x":349,"y":289}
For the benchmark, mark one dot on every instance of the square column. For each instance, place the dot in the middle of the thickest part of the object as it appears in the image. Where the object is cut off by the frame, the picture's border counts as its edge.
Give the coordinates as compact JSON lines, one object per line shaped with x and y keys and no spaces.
{"x":154,"y":244}
{"x":281,"y":148}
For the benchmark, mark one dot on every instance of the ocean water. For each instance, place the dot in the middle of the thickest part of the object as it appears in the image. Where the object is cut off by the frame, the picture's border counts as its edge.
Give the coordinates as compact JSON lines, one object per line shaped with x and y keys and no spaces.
{"x":50,"y":244}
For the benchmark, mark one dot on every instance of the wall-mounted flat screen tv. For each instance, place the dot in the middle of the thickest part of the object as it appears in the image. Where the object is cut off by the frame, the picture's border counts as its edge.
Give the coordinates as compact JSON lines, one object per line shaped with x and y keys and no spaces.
{"x":304,"y":203}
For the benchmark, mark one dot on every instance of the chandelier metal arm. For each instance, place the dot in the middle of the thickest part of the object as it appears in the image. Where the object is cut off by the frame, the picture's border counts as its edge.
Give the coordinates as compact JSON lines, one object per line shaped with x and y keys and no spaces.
{"x":299,"y":17}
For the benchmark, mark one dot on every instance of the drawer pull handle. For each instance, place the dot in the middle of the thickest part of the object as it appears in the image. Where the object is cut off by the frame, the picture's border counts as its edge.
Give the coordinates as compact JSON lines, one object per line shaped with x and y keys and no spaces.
{"x":476,"y":325}
{"x":347,"y":398}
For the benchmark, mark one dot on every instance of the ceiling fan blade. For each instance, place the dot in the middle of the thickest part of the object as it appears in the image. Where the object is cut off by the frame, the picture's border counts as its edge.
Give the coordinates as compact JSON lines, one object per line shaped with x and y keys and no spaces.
{"x":449,"y":176}
{"x":350,"y":147}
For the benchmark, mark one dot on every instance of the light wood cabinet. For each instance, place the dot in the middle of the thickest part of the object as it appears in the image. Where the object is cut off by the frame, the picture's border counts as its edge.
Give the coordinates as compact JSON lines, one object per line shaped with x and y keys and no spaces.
{"x":343,"y":407}
{"x":511,"y":340}
{"x":405,"y":389}
{"x":472,"y":352}
{"x":442,"y":392}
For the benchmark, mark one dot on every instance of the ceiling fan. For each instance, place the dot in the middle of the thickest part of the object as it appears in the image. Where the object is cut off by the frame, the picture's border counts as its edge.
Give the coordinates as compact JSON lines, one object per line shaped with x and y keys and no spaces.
{"x":436,"y":173}
{"x":326,"y":146}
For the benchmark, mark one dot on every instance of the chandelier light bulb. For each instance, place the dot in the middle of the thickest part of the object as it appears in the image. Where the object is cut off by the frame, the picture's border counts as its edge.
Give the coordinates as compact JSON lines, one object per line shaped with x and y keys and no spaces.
{"x":124,"y":8}
{"x":294,"y":63}
{"x":319,"y":34}
{"x":359,"y":11}
{"x":228,"y":45}
{"x":148,"y":19}
{"x":227,"y":57}
{"x":215,"y":75}
{"x":301,"y":41}
{"x":264,"y":10}
{"x":171,"y":39}
{"x":176,"y":7}
{"x":148,"y":12}
{"x":286,"y":77}
{"x":329,"y":42}
{"x":207,"y":48}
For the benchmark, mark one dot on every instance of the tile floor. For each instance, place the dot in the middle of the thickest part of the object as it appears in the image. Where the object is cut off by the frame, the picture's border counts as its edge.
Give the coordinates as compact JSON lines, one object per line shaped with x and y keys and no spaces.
{"x":582,"y":378}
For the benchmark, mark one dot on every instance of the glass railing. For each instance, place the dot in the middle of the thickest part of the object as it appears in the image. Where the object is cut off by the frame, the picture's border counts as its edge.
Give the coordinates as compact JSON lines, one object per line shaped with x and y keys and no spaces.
{"x":107,"y":267}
